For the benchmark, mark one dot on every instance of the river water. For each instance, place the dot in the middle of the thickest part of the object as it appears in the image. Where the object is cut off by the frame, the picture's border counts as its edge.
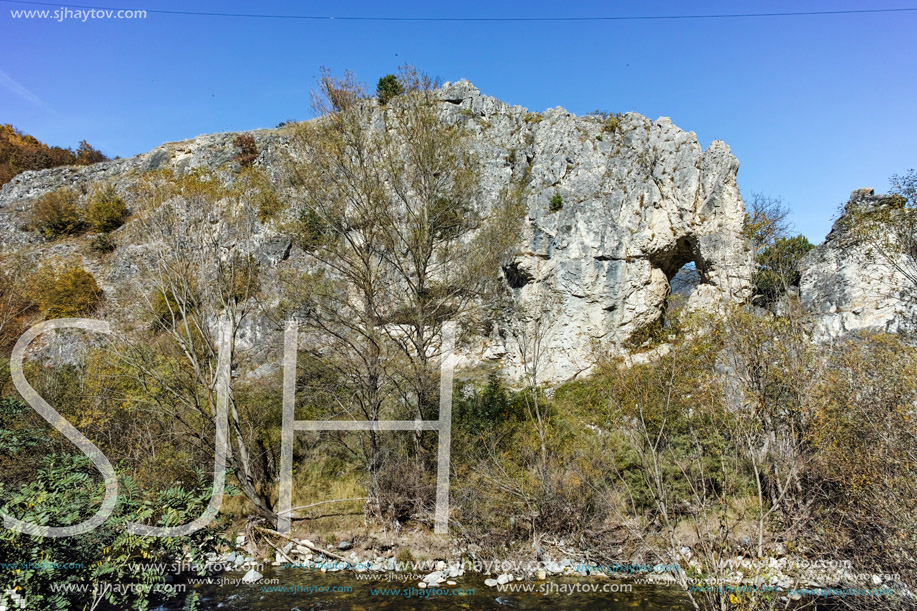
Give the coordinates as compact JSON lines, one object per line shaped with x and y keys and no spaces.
{"x":304,"y":590}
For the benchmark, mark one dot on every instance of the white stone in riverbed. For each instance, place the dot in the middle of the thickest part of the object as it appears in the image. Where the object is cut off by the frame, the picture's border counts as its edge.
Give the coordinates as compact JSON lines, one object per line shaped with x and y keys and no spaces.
{"x":491,"y":582}
{"x":553,"y":568}
{"x":251,"y":576}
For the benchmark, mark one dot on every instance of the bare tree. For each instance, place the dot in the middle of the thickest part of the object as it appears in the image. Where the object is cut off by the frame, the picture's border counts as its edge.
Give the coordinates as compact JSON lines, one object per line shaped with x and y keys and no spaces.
{"x":200,"y":269}
{"x":765,"y":221}
{"x":532,"y":328}
{"x":389,"y":215}
{"x":340,"y":207}
{"x":441,"y":248}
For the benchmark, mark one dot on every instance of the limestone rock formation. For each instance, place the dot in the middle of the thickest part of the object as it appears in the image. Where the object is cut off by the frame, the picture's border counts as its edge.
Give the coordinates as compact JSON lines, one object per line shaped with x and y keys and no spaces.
{"x":848,"y":286}
{"x":634,"y":201}
{"x":640,"y":199}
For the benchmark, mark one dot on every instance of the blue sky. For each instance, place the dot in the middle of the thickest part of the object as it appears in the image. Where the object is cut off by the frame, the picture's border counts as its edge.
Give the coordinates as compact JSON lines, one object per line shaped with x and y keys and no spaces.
{"x":813,"y":106}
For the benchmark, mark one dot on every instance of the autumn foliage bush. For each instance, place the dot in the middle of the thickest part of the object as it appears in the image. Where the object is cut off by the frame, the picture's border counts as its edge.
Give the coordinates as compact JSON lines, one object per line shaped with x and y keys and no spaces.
{"x":20,"y":152}
{"x":106,"y":210}
{"x":57,"y":214}
{"x":62,"y":292}
{"x":246,"y":150}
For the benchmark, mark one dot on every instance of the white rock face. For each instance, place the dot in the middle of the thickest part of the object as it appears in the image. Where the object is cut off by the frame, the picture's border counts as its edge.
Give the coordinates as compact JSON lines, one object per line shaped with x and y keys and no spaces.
{"x":848,"y":288}
{"x":639,"y":202}
{"x":640,"y":199}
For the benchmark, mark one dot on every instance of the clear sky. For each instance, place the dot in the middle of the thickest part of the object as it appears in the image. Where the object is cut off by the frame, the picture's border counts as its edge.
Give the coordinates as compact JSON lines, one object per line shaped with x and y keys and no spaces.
{"x":813,"y":106}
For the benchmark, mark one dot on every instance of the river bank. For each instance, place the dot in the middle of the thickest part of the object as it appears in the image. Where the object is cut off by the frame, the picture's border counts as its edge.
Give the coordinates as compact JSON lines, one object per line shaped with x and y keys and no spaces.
{"x":290,"y":588}
{"x":382,"y":572}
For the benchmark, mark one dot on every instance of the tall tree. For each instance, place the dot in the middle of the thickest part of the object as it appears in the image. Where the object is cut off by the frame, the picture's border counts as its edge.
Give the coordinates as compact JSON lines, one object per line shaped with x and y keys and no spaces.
{"x":389,"y":214}
{"x":200,"y":273}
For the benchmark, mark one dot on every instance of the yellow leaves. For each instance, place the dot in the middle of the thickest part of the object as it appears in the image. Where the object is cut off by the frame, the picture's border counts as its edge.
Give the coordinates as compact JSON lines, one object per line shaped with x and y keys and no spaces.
{"x":199,"y":185}
{"x":66,"y":290}
{"x":57,"y":214}
{"x":106,"y":210}
{"x":253,"y":185}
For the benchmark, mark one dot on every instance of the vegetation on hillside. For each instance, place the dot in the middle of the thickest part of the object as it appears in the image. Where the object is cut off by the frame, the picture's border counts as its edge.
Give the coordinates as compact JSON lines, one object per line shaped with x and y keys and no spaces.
{"x":776,"y":253}
{"x":20,"y":152}
{"x":733,"y":435}
{"x":397,"y":250}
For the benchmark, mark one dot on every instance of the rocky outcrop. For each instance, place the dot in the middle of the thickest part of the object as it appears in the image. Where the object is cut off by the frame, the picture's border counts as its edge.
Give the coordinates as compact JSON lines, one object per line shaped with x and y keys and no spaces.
{"x":851,"y":285}
{"x":635,"y":201}
{"x":640,"y":199}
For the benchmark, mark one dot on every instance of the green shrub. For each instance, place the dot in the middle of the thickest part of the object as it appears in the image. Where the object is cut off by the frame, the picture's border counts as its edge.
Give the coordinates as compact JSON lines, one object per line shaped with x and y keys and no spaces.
{"x":310,"y":229}
{"x":484,"y":408}
{"x":387,"y":88}
{"x":62,"y":293}
{"x":269,"y":204}
{"x":253,"y":184}
{"x":556,"y":203}
{"x":169,"y":307}
{"x":612,"y":122}
{"x":404,"y":557}
{"x":64,"y":492}
{"x":57,"y":214}
{"x":106,"y":210}
{"x":777,"y":267}
{"x":103,"y":244}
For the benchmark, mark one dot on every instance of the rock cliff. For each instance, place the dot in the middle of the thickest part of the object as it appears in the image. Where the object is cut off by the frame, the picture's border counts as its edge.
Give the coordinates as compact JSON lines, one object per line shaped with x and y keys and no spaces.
{"x":635,"y":201}
{"x":850,"y":285}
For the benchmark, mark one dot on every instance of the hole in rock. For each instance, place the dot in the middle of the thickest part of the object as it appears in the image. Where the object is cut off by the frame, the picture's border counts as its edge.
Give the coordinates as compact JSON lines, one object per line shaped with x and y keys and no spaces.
{"x":684,"y":269}
{"x":515,"y":276}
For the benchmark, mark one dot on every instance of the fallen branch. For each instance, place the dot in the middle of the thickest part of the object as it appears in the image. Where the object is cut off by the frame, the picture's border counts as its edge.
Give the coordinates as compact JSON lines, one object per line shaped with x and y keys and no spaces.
{"x":330,"y":515}
{"x":320,"y":503}
{"x":279,"y":551}
{"x":315,"y":549}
